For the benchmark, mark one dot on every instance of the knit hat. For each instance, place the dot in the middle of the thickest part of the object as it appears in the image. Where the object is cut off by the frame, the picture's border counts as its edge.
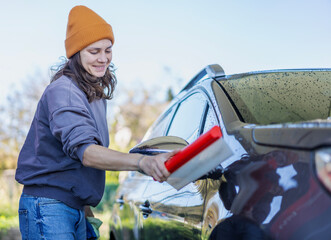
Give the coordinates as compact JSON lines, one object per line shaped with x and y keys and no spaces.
{"x":85,"y":27}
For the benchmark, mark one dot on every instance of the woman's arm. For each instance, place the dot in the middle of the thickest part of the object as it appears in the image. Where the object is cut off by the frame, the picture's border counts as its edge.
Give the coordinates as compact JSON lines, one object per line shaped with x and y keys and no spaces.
{"x":106,"y":159}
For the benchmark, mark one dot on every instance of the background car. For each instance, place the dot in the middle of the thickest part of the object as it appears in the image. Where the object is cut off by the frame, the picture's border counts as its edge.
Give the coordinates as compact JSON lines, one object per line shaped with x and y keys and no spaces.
{"x":276,"y":184}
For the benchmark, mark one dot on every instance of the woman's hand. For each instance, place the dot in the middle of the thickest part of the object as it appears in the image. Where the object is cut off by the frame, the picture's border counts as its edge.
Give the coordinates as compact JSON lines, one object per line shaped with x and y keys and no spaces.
{"x":154,"y":165}
{"x":88,"y":212}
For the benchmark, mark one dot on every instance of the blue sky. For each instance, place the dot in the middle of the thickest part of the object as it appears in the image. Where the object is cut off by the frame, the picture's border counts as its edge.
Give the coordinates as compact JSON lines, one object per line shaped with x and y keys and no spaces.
{"x":157,"y":43}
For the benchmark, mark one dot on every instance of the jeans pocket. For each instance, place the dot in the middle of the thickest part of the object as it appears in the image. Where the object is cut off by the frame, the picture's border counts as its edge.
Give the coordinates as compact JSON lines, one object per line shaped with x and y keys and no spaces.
{"x":46,"y":201}
{"x":24,"y":223}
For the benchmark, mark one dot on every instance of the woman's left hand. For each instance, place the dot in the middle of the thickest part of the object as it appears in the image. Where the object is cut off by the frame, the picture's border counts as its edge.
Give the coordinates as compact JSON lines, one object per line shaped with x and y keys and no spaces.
{"x":88,"y":212}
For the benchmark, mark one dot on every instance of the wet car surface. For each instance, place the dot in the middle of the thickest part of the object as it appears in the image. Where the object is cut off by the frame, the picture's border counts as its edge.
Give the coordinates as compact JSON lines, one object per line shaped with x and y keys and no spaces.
{"x":275,"y":185}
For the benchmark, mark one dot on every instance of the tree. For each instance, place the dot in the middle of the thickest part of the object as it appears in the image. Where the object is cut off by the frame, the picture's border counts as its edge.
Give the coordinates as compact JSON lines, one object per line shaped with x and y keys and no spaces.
{"x":170,"y":94}
{"x":16,"y":117}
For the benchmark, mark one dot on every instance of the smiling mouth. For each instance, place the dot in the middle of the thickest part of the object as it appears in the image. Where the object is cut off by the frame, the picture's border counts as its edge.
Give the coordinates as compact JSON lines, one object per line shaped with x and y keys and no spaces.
{"x":100,"y":68}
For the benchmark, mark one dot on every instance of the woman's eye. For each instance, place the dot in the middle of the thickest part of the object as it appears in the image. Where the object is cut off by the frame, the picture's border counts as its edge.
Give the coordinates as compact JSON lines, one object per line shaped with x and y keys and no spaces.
{"x":93,"y":52}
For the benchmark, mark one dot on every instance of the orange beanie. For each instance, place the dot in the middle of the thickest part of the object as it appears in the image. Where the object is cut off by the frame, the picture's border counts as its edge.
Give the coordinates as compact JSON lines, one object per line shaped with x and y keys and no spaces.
{"x":85,"y":27}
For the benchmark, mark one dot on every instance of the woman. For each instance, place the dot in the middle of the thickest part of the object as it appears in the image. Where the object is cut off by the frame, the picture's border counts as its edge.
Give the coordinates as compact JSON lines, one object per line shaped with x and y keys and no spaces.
{"x":63,"y":159}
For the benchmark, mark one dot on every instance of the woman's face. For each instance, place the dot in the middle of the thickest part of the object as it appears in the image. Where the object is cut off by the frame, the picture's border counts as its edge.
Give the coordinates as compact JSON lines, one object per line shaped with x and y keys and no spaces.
{"x":96,"y":57}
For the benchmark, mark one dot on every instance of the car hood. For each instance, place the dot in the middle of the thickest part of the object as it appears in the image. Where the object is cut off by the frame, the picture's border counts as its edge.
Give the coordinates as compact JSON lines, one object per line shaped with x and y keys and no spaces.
{"x":304,"y":135}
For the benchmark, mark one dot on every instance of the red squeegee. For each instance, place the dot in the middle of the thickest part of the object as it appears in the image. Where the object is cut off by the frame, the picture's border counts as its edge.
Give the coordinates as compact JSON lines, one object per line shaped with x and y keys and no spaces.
{"x":193,"y":149}
{"x":198,"y":158}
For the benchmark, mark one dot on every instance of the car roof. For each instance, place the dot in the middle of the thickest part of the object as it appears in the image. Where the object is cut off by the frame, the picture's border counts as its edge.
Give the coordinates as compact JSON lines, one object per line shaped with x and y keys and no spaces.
{"x":216,"y":72}
{"x":240,"y":75}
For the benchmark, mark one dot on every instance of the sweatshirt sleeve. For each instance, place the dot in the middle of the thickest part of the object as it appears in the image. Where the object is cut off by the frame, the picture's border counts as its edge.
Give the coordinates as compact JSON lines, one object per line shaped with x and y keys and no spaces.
{"x":70,"y":120}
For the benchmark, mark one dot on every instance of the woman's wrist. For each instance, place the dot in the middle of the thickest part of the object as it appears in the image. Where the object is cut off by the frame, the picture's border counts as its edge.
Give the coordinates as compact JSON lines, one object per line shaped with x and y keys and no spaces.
{"x":138,"y":164}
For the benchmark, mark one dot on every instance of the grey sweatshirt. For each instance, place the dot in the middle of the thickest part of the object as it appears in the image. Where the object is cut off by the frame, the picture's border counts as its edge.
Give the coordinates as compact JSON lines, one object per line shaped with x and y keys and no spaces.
{"x":50,"y":161}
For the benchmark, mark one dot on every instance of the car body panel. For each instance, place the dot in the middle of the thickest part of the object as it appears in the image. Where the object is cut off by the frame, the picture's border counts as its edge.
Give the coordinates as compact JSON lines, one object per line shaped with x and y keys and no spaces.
{"x":303,"y":136}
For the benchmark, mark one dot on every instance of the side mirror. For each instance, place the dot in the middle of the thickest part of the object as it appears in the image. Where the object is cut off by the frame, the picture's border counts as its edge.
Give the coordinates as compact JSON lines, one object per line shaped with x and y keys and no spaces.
{"x":159,"y":145}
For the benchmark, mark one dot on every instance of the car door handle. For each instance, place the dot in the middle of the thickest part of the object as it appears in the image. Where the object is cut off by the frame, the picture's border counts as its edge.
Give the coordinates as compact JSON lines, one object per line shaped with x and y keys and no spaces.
{"x":145,"y":208}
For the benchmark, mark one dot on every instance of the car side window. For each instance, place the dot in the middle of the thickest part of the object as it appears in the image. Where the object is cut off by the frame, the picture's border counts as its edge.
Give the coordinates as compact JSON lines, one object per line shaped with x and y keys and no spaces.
{"x":159,"y":127}
{"x":188,"y":118}
{"x":210,"y":120}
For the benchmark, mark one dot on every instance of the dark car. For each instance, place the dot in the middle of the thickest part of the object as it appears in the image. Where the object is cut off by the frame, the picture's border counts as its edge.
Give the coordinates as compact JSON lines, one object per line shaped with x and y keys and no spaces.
{"x":276,"y":184}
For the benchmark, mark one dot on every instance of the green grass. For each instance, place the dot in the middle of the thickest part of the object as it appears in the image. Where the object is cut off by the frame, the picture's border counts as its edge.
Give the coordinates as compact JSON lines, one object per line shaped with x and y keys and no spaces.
{"x":8,"y":218}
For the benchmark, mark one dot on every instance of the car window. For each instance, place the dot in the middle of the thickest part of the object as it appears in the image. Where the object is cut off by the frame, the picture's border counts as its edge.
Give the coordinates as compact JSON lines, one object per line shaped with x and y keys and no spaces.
{"x":159,"y":127}
{"x":210,"y":120}
{"x":187,"y":120}
{"x":281,"y":97}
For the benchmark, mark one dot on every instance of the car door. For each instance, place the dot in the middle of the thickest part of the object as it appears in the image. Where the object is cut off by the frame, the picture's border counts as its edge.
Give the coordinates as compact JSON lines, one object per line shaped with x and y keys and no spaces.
{"x":131,"y":206}
{"x":178,"y":214}
{"x":126,"y":215}
{"x":204,"y":206}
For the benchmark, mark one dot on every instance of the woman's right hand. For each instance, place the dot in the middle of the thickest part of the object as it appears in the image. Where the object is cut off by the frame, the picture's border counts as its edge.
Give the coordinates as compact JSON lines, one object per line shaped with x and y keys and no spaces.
{"x":154,"y":165}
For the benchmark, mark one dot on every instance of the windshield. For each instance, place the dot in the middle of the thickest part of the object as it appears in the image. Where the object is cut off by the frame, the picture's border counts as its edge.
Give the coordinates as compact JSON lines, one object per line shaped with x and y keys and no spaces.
{"x":279,"y":97}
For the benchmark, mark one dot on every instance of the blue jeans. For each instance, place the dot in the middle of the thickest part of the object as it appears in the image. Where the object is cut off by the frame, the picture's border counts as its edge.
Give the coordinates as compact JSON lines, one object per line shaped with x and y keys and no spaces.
{"x":45,"y":218}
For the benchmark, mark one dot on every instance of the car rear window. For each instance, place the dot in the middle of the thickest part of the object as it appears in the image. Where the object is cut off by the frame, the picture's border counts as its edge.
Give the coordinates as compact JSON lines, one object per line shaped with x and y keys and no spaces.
{"x":279,"y":97}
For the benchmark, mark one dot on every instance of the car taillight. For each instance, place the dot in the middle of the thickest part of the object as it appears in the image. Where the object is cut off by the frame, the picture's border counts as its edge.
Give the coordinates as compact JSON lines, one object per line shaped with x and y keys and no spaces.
{"x":323,"y":166}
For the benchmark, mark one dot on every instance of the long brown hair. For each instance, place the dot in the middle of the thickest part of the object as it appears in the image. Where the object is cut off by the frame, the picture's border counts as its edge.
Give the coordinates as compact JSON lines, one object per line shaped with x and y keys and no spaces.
{"x":93,"y":87}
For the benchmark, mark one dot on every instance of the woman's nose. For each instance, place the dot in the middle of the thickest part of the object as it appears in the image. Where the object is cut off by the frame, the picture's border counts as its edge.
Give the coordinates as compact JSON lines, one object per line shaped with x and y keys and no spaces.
{"x":102,"y":58}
